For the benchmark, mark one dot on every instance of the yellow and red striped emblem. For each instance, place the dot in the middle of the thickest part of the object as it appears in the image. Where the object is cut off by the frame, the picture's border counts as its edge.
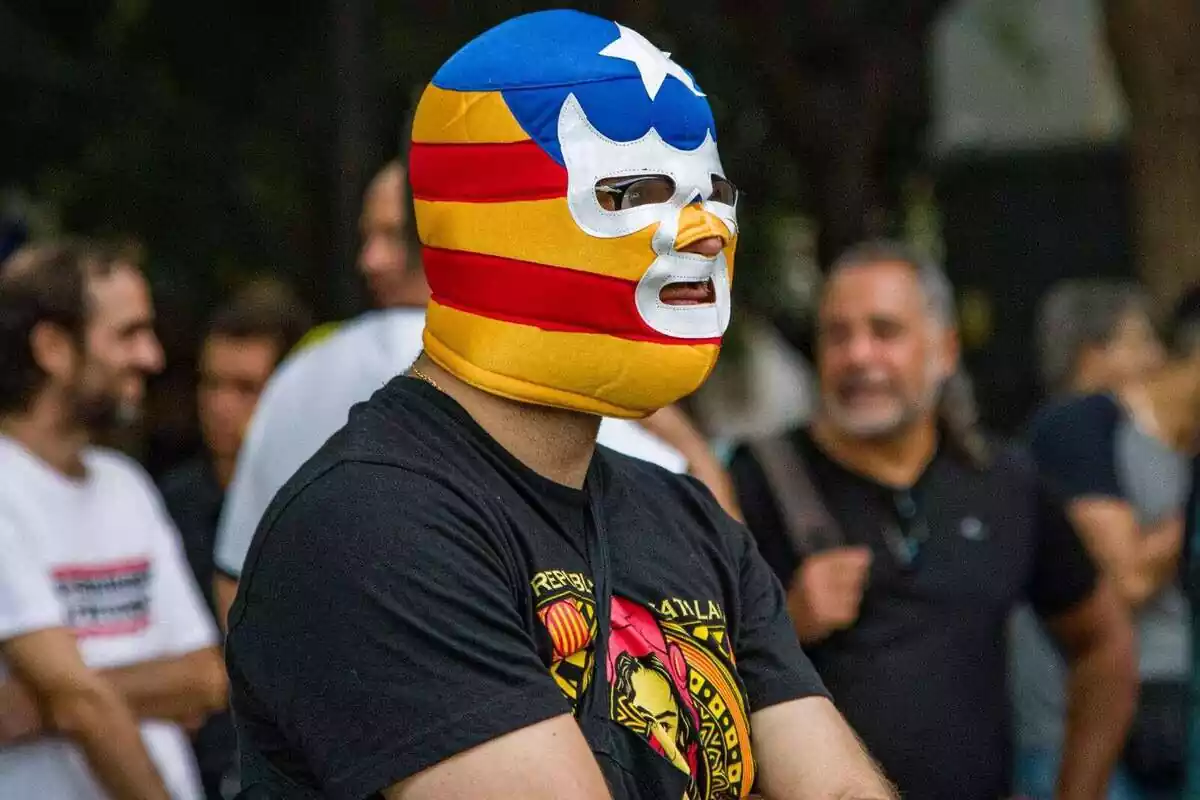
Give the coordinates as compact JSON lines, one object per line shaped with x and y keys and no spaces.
{"x":568,"y":628}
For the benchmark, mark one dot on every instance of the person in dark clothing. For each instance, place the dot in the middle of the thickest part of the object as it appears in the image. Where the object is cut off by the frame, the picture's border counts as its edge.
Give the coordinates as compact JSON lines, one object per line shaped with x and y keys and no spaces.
{"x":1096,"y":341}
{"x":1114,"y":447}
{"x":244,"y":343}
{"x":917,"y":539}
{"x":461,"y":594}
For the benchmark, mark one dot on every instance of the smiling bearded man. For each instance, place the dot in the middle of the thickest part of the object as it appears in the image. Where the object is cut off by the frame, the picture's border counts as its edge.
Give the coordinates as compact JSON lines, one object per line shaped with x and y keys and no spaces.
{"x":461,"y":594}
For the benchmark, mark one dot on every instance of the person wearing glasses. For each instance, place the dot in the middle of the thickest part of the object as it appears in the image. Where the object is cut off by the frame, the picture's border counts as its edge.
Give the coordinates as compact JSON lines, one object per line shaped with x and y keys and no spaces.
{"x":463,"y":594}
{"x":905,"y":538}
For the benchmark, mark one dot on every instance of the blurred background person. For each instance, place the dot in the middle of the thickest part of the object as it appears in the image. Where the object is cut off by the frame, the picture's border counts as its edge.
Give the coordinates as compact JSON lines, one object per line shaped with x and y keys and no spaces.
{"x":908,"y":538}
{"x":333,"y":367}
{"x":106,"y":650}
{"x":1113,"y":448}
{"x":387,"y":260}
{"x":1095,"y":335}
{"x":245,"y":341}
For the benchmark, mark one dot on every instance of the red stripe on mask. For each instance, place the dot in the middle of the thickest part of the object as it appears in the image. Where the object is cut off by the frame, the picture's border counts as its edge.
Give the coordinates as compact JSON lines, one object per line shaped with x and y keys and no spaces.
{"x":550,"y":298}
{"x":484,"y":173}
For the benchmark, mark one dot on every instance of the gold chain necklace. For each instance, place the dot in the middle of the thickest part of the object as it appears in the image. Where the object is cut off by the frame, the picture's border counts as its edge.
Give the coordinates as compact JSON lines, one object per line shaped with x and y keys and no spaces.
{"x":417,"y":373}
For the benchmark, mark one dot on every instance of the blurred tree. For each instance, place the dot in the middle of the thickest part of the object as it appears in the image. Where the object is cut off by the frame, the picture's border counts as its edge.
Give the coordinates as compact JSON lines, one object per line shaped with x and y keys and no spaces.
{"x":1156,"y":48}
{"x":202,"y":130}
{"x":236,"y":137}
{"x":356,"y":153}
{"x":843,"y":85}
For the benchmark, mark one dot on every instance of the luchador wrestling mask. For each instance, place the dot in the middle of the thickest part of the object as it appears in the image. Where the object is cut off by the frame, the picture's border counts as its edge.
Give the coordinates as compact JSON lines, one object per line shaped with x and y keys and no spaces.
{"x":578,"y":227}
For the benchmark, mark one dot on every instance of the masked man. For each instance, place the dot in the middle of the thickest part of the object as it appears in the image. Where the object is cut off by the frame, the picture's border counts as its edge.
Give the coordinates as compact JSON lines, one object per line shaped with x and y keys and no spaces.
{"x":460,"y":594}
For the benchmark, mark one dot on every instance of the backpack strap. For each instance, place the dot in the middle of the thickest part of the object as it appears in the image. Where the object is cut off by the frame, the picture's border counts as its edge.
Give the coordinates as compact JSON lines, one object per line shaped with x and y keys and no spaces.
{"x":806,"y":521}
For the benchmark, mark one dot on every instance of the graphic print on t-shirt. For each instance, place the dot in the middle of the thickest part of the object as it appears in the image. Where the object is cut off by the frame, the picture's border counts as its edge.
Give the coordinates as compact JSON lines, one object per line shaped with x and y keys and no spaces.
{"x":105,"y":599}
{"x":670,"y":672}
{"x":566,"y":607}
{"x":671,"y":686}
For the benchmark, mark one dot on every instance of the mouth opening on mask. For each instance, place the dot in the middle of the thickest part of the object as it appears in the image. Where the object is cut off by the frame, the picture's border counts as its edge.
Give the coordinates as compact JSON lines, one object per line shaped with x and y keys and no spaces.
{"x":689,"y":293}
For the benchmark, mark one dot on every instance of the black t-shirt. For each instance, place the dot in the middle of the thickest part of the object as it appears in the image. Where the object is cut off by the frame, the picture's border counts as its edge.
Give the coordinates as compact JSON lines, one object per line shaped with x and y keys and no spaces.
{"x":1074,"y":445}
{"x":922,"y":674}
{"x":193,"y":498}
{"x":415,"y":591}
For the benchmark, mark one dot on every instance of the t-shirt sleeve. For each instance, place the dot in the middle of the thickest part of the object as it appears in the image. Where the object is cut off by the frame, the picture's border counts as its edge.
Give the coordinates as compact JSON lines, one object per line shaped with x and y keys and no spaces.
{"x":761,"y":513}
{"x":1064,"y":574}
{"x":27,"y":598}
{"x":382,"y":627}
{"x":771,"y":662}
{"x":180,"y":613}
{"x":1075,"y":449}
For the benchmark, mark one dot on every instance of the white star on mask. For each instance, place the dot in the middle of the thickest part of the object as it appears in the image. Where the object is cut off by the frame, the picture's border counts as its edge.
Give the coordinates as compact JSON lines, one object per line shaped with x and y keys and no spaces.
{"x":653,"y":64}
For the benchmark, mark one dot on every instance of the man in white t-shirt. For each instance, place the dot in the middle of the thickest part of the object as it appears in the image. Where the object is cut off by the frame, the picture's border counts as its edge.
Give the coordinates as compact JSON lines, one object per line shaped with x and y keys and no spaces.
{"x":310,"y":396}
{"x":107,"y":652}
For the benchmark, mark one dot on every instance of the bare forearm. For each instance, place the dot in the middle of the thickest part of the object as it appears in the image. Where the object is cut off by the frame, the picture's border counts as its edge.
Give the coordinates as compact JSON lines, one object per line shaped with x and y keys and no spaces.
{"x":874,"y":787}
{"x":105,"y":729}
{"x":864,"y":782}
{"x":1139,"y":560}
{"x":806,"y":751}
{"x":183,"y":689}
{"x":1160,"y":557}
{"x":1100,"y":702}
{"x":673,"y":427}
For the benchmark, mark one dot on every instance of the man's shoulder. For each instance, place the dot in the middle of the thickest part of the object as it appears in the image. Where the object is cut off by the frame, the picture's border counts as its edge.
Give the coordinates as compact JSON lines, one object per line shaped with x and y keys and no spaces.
{"x":1078,"y":414}
{"x":797,"y":439}
{"x":1011,"y":463}
{"x":348,"y":505}
{"x":343,"y":368}
{"x":113,"y":468}
{"x":398,"y":425}
{"x":387,"y":335}
{"x":1075,"y":438}
{"x":646,"y":488}
{"x":395,"y":441}
{"x":637,"y":472}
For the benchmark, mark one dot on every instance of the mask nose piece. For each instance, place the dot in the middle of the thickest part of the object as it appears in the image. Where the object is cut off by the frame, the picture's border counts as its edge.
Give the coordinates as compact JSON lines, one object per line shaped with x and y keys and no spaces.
{"x":696,"y":224}
{"x":663,"y":241}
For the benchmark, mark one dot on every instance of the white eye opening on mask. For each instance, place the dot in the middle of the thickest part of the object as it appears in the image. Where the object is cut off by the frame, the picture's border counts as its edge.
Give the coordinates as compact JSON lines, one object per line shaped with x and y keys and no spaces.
{"x":617,"y":188}
{"x":628,"y":192}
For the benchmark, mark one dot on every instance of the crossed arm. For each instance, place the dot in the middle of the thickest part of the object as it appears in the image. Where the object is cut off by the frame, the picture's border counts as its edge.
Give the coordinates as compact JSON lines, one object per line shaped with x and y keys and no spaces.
{"x":674,"y":427}
{"x":79,"y":704}
{"x":1138,"y":562}
{"x":804,"y":748}
{"x":52,"y":692}
{"x":185,"y":689}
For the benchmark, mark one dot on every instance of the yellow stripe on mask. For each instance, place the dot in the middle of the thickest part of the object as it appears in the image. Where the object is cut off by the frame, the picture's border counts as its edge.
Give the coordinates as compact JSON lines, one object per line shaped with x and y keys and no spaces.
{"x":541,"y":231}
{"x":448,"y":117}
{"x":607,"y":375}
